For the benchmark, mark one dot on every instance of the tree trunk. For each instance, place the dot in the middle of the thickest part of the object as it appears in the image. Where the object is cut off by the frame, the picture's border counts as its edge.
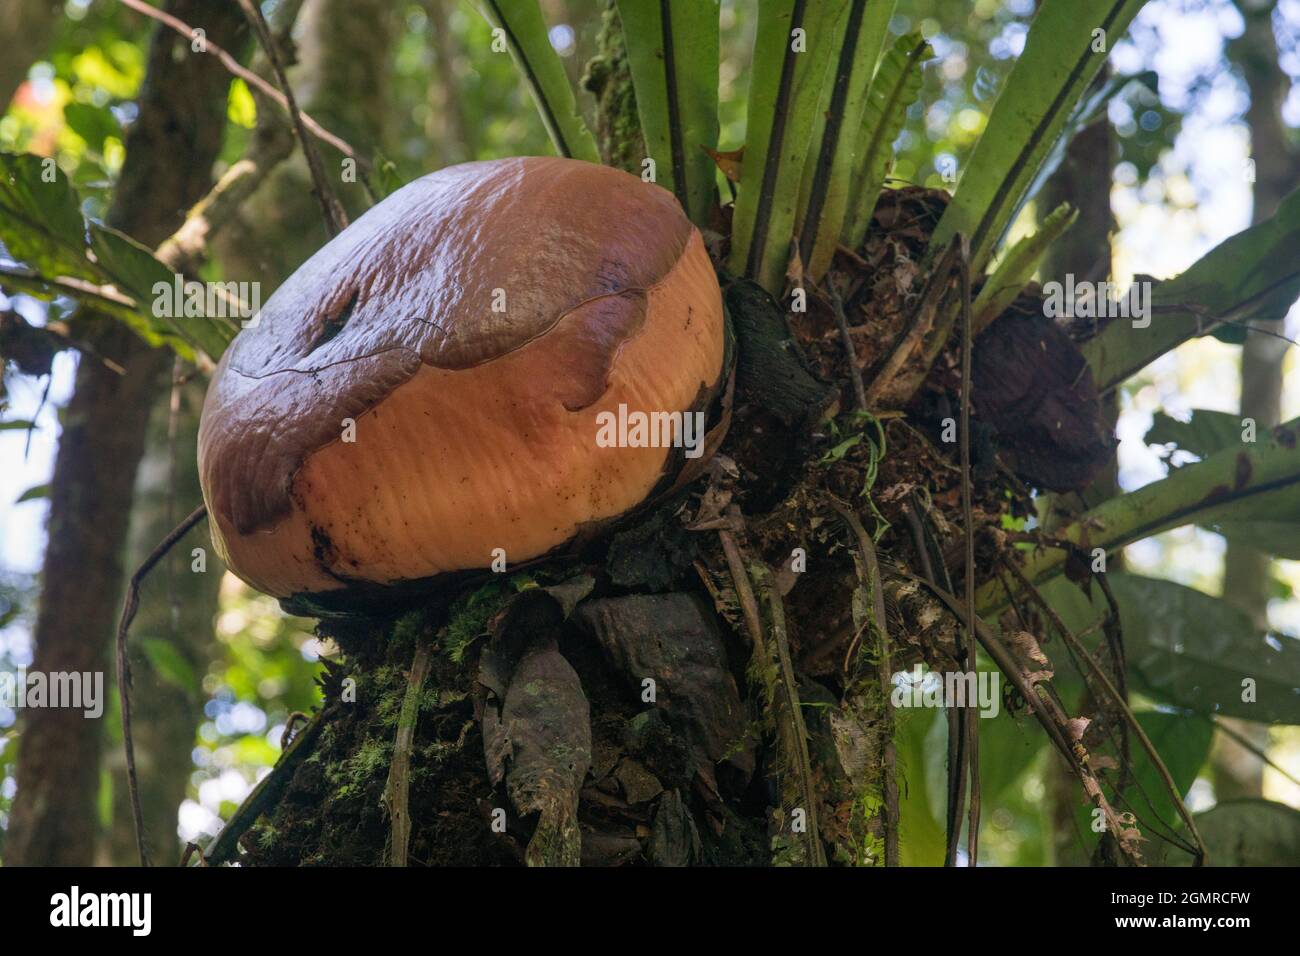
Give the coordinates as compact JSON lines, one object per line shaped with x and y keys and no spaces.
{"x":177,"y":608}
{"x":342,"y":79}
{"x":24,"y":27}
{"x":1248,"y":573}
{"x":1084,"y":252}
{"x":170,"y":151}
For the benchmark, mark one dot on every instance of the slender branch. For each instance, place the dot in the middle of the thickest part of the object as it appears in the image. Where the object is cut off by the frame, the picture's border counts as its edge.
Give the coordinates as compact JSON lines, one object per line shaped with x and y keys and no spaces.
{"x":129,"y":607}
{"x":970,"y":714}
{"x":855,"y":373}
{"x":22,"y":277}
{"x":247,"y":75}
{"x":267,"y":791}
{"x":745,"y":593}
{"x":1117,"y":698}
{"x":336,"y":220}
{"x":871,"y":583}
{"x":1249,"y":746}
{"x":184,"y":250}
{"x":397,"y":789}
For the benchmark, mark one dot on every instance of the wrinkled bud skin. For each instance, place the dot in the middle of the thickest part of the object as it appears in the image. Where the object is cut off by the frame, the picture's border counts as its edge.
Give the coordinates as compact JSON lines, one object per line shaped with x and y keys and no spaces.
{"x":428,"y":389}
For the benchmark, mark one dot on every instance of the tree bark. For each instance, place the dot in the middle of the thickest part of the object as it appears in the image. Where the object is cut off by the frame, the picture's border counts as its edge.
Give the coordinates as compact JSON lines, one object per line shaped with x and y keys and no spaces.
{"x":178,"y":605}
{"x":25,"y":27}
{"x":170,"y":151}
{"x":1248,"y":573}
{"x":1084,"y":181}
{"x":343,"y":79}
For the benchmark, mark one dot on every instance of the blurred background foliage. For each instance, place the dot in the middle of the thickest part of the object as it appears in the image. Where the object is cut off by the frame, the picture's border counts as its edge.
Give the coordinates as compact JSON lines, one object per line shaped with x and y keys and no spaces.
{"x":417,"y":84}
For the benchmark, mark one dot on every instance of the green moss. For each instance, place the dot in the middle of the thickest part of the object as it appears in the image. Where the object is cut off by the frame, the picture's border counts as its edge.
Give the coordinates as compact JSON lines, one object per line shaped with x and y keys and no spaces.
{"x":609,"y":78}
{"x":469,"y":618}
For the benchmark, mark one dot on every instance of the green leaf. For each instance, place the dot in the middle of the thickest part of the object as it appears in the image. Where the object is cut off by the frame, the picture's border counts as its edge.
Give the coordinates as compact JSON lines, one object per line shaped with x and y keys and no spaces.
{"x":1192,"y":650}
{"x":1188,"y":649}
{"x":1254,"y":275}
{"x":94,"y":124}
{"x":136,"y":272}
{"x":1062,"y":54}
{"x":1281,"y":539}
{"x":794,"y":50}
{"x":842,"y":449}
{"x":1258,"y":480}
{"x":672,"y":50}
{"x":895,"y":87}
{"x":1269,"y":523}
{"x":33,"y":493}
{"x":16,"y":424}
{"x":1250,"y":832}
{"x":1017,"y":268}
{"x":241,"y":108}
{"x":921,"y":835}
{"x":1183,"y":742}
{"x":524,"y":33}
{"x":1091,"y":109}
{"x":385,"y":179}
{"x":827,"y":179}
{"x":1203,"y":434}
{"x":1008,"y":749}
{"x":40,"y":220}
{"x":170,"y":664}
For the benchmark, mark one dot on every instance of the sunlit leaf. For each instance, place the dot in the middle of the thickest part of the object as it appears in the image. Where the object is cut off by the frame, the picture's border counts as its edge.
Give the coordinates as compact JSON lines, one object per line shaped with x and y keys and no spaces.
{"x":895,"y":87}
{"x":520,"y":26}
{"x":672,"y":50}
{"x":1067,"y":44}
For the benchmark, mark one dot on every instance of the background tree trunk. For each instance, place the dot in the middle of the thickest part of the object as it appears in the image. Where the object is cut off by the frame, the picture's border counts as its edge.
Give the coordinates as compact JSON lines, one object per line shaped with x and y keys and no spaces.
{"x":1248,"y":573}
{"x":175,"y":622}
{"x":1084,"y":181}
{"x":342,"y":78}
{"x":25,"y":28}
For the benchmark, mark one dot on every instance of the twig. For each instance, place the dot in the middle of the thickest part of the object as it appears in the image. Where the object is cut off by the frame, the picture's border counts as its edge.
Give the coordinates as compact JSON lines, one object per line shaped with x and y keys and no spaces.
{"x":792,"y":733}
{"x":1045,"y":711}
{"x":129,"y":607}
{"x":184,"y":249}
{"x":855,"y":373}
{"x":796,"y":730}
{"x":247,"y":75}
{"x":918,"y":326}
{"x":971,"y":715}
{"x":923,"y":541}
{"x":1077,"y":647}
{"x":1247,"y":744}
{"x":745,"y":594}
{"x":871,"y":582}
{"x":21,"y":277}
{"x":336,"y":220}
{"x":290,"y":723}
{"x":267,"y":790}
{"x":397,"y":789}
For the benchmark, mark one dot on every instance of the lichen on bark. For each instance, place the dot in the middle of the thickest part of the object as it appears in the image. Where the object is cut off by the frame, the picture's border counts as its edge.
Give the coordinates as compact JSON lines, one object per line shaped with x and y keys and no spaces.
{"x":609,"y":79}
